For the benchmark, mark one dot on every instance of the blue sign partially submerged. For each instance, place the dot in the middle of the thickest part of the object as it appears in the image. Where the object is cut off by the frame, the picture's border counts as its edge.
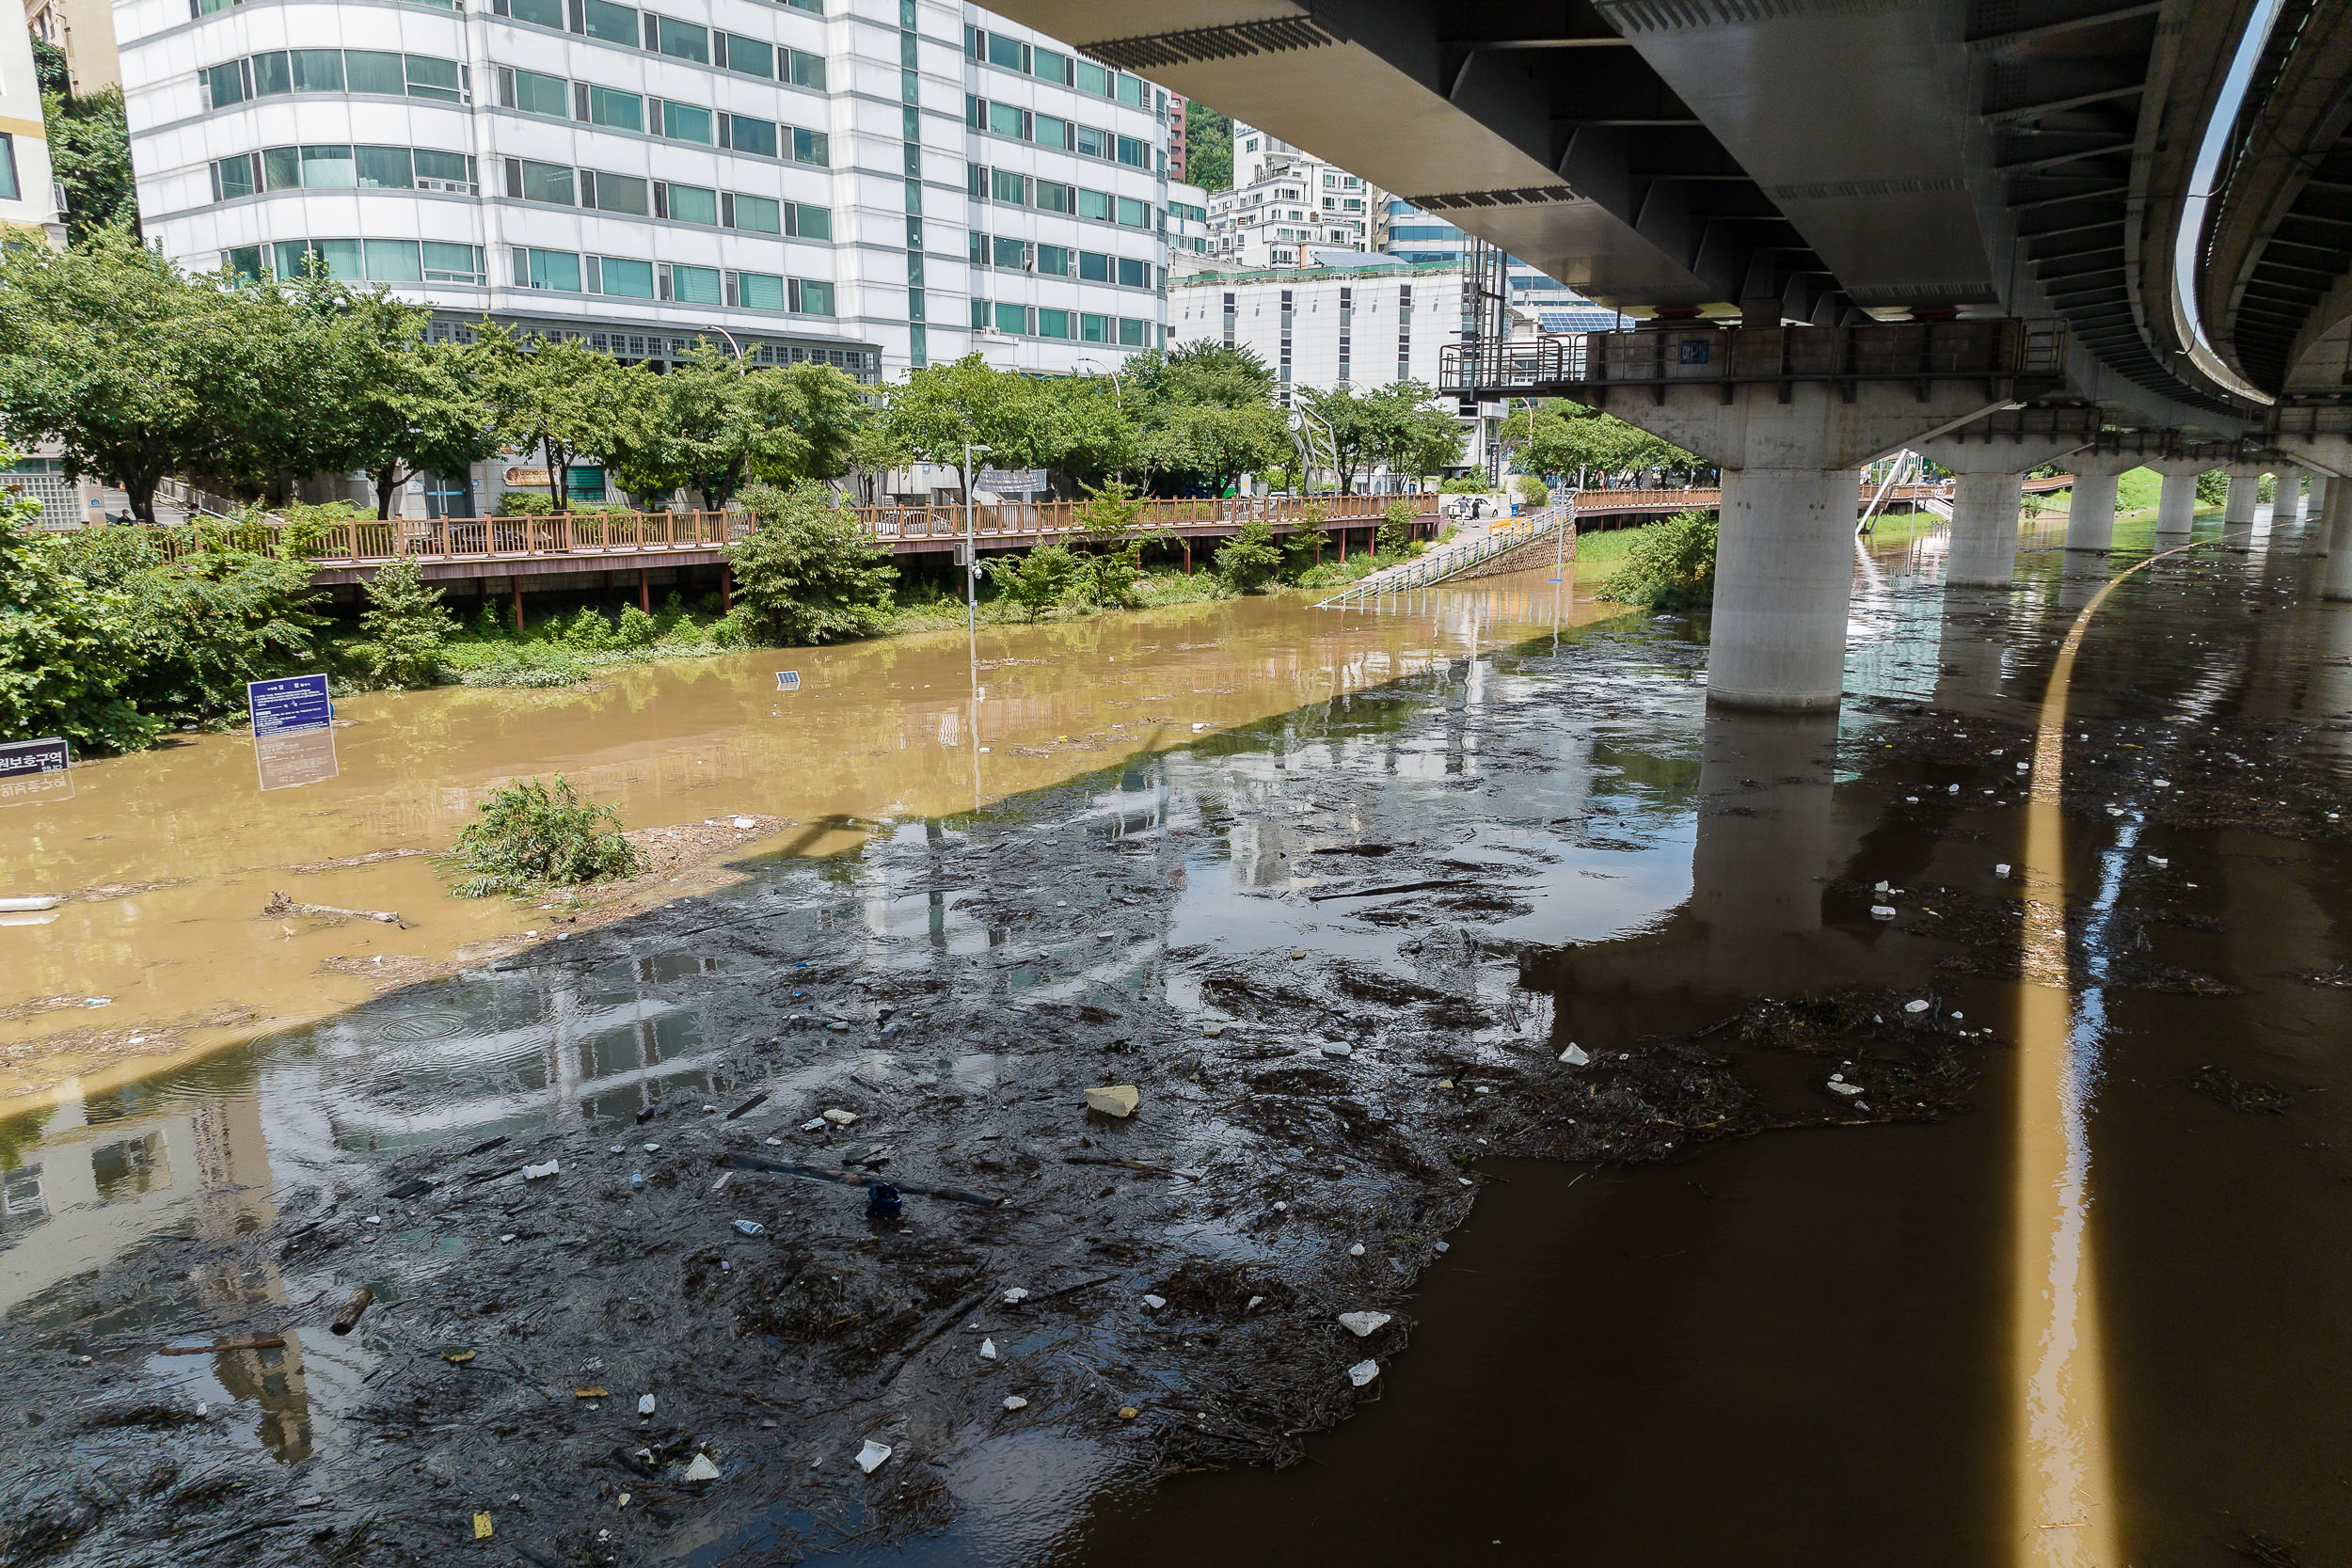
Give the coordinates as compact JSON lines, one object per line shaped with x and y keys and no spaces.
{"x":289,"y":706}
{"x":787,"y":680}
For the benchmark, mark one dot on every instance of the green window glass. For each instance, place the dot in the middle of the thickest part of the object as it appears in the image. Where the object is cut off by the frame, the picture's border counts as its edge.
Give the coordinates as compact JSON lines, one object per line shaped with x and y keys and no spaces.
{"x":628,"y":279}
{"x":1134,"y":274}
{"x":535,"y":182}
{"x":1010,"y":255}
{"x":812,"y":222}
{"x":292,"y":255}
{"x":316,"y":69}
{"x":1134,"y":333}
{"x":1090,"y":142}
{"x":811,"y":299}
{"x":759,"y":290}
{"x":1134,"y":213}
{"x":281,"y":168}
{"x":624,"y":193}
{"x":553,"y":269}
{"x":1131,"y":90}
{"x":231,"y":177}
{"x":1055,"y":196}
{"x":224,"y":85}
{"x":1006,"y":52}
{"x":1094,"y":268}
{"x":1054,"y":259}
{"x":1089,"y":77}
{"x":1013,"y":318}
{"x":759,"y":216}
{"x":683,"y":40}
{"x":613,"y":23}
{"x":442,"y":79}
{"x":1051,"y":323}
{"x":693,"y":205}
{"x":980,"y":314}
{"x":695,"y":285}
{"x":374,"y":71}
{"x":1094,"y":330}
{"x":583,"y":484}
{"x":439,"y":172}
{"x":808,"y":70}
{"x":542,"y":95}
{"x":684,"y":122}
{"x":271,"y":74}
{"x":812,"y":146}
{"x":385,"y":168}
{"x":1004,"y":119}
{"x":1134,"y":153}
{"x":1047,"y":65}
{"x":544,"y":13}
{"x":1007,"y":186}
{"x":245,"y":263}
{"x":623,"y":111}
{"x":1051,"y":131}
{"x":329,"y":168}
{"x":756,"y":136}
{"x":451,"y":263}
{"x":342,"y":258}
{"x":393,"y":262}
{"x":749,"y":55}
{"x":1094,"y":204}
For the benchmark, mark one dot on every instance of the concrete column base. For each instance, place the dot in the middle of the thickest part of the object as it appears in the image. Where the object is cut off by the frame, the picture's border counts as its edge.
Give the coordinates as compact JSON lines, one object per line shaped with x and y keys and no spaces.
{"x":2176,"y":509}
{"x":1784,"y":572}
{"x":2315,"y":515}
{"x":1984,"y":529}
{"x":2336,"y":583}
{"x":2237,"y":513}
{"x":2091,"y":516}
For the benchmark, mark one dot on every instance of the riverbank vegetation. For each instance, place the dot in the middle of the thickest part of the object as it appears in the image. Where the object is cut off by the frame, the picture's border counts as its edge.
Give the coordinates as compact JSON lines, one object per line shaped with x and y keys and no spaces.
{"x":531,"y":835}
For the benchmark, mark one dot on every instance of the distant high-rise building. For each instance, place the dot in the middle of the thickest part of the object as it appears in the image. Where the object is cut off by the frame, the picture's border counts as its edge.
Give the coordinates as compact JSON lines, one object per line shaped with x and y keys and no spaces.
{"x":1287,"y":205}
{"x":1422,"y":239}
{"x":84,"y":30}
{"x":28,"y":189}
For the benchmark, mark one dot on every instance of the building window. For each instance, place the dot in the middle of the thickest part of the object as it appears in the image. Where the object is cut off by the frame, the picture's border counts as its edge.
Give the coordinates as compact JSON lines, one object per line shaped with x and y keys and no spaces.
{"x":558,"y":270}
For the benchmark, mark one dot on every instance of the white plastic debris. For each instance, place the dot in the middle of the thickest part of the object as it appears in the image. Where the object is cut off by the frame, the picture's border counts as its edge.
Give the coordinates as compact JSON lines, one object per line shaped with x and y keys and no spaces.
{"x":747,"y":823}
{"x":1442,"y":1246}
{"x":1910,"y":799}
{"x":1915,"y":1006}
{"x":645,"y":1404}
{"x":1951,"y":789}
{"x":870,"y":1457}
{"x":1848,"y":1089}
{"x":1334,"y":1047}
{"x":840,"y":1117}
{"x":1280,"y":1206}
{"x":1363,"y":1373}
{"x":1211,"y":1030}
{"x":1363,"y":1325}
{"x":653,"y":1148}
{"x":1253,"y":1304}
{"x":750,"y":1228}
{"x":814,"y":1124}
{"x":987,"y":1349}
{"x":2001,"y":870}
{"x":2158,"y":859}
{"x":1114,"y":1100}
{"x":702,"y":1469}
{"x":1153,"y":1304}
{"x":1882,"y":912}
{"x":1014,"y":1402}
{"x":1355,"y":1251}
{"x":1575,"y":1056}
{"x":2162,"y":784}
{"x":508,"y":1237}
{"x":532,"y":1173}
{"x":1015,"y":1296}
{"x":1880,"y":888}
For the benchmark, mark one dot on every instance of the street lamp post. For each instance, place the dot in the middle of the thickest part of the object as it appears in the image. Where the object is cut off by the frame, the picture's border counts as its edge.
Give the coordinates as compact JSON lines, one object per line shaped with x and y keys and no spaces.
{"x":1118,"y":397}
{"x":972,"y":610}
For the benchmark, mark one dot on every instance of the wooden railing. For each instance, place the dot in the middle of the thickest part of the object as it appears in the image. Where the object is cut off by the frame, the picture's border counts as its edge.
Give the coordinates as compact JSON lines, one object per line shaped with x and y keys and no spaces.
{"x":605,"y":533}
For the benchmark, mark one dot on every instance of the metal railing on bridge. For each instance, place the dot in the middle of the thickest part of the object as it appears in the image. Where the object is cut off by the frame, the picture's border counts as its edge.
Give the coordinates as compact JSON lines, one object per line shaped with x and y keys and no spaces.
{"x":1657,"y":358}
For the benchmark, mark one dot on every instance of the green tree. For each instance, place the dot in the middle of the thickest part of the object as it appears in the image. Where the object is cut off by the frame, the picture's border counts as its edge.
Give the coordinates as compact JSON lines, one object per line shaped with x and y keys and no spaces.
{"x":407,"y":406}
{"x":1670,"y":566}
{"x":931,"y":414}
{"x":405,"y":625}
{"x":1250,"y":558}
{"x":1109,"y":523}
{"x":50,"y":72}
{"x":712,"y":426}
{"x":1037,"y":580}
{"x":1208,"y":147}
{"x":1561,"y":437}
{"x":1227,"y":375}
{"x":1213,"y":445}
{"x":62,"y":661}
{"x":89,"y":154}
{"x":1304,"y":544}
{"x":562,"y":396}
{"x":1421,"y":436}
{"x":1358,"y":425}
{"x":141,"y":370}
{"x":809,"y":574}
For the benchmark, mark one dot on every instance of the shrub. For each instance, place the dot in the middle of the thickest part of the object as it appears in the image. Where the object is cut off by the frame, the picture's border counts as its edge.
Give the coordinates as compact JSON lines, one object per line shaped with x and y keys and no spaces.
{"x":526,"y":503}
{"x":1394,"y":536}
{"x":637,"y":629}
{"x":1464,"y":484}
{"x":1534,"y":491}
{"x":1668,"y":566}
{"x":405,"y":625}
{"x":1250,"y":558}
{"x":589,"y":631}
{"x":490,"y":620}
{"x":533,"y":835}
{"x":1037,"y":581}
{"x":809,"y":574}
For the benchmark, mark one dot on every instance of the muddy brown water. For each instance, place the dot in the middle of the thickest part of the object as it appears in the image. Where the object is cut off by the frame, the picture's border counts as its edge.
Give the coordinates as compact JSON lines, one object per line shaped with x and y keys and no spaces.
{"x":1794,"y":1348}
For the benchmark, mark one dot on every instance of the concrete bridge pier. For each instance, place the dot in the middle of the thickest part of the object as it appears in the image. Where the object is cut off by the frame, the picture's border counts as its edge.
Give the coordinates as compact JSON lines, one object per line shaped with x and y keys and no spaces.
{"x":1985,"y":497}
{"x":2090,"y":515}
{"x":2315,"y":515}
{"x":2237,"y":514}
{"x":2337,"y":582}
{"x":2286,"y":505}
{"x":2176,"y":506}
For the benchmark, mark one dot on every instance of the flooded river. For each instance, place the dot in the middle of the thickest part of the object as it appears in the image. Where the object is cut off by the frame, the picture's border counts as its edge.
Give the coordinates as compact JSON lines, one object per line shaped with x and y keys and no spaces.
{"x":2093,"y":1317}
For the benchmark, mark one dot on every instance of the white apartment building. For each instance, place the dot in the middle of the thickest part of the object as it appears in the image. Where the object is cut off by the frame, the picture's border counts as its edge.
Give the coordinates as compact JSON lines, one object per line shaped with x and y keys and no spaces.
{"x":1286,"y":204}
{"x":872,"y":185}
{"x":28,"y":191}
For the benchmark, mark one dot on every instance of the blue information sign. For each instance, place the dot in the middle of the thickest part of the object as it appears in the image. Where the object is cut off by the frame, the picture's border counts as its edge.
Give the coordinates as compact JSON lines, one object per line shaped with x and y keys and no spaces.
{"x":787,"y":680}
{"x":290,"y":705}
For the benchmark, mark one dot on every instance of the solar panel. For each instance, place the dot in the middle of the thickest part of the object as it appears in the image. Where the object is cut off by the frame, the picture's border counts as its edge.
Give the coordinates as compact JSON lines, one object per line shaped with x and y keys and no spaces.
{"x":1590,"y":318}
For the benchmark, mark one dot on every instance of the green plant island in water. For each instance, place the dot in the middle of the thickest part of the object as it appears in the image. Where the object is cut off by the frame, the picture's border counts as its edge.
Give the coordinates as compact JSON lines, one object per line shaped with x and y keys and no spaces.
{"x":532,"y":835}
